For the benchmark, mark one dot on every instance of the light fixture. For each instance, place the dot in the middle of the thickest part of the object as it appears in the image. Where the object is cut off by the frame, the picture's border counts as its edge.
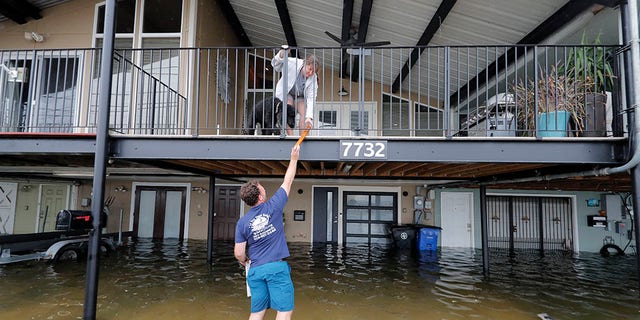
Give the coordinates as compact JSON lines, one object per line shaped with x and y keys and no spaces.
{"x":343,"y":92}
{"x":199,"y":189}
{"x":346,"y":168}
{"x":34,"y":36}
{"x":73,"y":173}
{"x":120,"y":188}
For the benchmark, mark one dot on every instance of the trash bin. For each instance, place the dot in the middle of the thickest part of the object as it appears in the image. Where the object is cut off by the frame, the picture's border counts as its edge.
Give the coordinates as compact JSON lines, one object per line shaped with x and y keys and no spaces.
{"x":428,"y":238}
{"x":403,"y":236}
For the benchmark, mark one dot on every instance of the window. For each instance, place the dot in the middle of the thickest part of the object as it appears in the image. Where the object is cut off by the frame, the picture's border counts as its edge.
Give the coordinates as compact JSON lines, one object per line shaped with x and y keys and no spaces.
{"x":14,"y":93}
{"x":160,"y":30}
{"x":328,"y":118}
{"x":340,"y":118}
{"x":162,"y":62}
{"x":125,"y":17}
{"x":162,"y":16}
{"x":56,"y":94}
{"x":428,"y":120}
{"x":395,"y":116}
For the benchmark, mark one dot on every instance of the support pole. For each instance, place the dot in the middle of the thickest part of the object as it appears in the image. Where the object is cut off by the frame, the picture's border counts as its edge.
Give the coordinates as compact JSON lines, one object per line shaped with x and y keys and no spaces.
{"x":632,"y":38}
{"x":100,"y":162}
{"x":212,"y":213}
{"x":635,"y":178}
{"x":484,"y":230}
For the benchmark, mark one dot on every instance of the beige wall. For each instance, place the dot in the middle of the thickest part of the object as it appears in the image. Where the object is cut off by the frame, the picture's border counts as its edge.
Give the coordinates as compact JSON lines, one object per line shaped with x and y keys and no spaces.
{"x":199,"y":211}
{"x":70,"y":25}
{"x":212,"y":29}
{"x":66,"y":25}
{"x":121,"y":201}
{"x":212,"y":32}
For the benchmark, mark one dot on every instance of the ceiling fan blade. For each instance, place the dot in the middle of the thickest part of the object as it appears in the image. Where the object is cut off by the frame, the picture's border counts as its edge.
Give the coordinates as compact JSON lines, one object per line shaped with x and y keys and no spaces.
{"x":335,"y":38}
{"x":374,"y":44}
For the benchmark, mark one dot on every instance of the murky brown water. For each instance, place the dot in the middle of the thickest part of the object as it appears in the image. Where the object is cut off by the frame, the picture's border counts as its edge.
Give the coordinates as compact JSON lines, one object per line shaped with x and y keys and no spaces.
{"x":171,"y":280}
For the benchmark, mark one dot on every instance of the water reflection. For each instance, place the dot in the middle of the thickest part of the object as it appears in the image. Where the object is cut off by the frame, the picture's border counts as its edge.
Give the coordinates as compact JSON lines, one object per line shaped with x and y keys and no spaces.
{"x":171,"y":280}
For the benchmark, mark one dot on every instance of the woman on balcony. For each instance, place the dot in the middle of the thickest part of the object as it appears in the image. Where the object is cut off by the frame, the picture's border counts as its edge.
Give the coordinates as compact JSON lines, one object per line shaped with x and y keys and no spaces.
{"x":302,"y":86}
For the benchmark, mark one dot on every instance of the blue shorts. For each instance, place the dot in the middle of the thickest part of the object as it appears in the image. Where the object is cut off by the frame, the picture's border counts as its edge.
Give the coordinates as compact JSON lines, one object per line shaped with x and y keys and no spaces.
{"x":271,"y":287}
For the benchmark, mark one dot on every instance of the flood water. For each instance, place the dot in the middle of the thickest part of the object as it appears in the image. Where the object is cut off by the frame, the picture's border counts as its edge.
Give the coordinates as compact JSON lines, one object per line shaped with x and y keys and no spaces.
{"x":171,"y":280}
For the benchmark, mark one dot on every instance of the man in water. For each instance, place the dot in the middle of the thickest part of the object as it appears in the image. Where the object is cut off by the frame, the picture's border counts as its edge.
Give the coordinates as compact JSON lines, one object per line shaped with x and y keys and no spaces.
{"x":261,"y":246}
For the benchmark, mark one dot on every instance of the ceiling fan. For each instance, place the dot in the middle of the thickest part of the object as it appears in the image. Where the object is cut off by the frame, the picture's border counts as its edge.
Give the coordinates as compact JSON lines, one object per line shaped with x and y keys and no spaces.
{"x":352,"y":43}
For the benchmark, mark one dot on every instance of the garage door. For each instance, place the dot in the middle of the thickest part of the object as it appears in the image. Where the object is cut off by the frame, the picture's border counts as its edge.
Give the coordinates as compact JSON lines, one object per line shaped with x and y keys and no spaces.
{"x":368,"y":216}
{"x":542,"y":223}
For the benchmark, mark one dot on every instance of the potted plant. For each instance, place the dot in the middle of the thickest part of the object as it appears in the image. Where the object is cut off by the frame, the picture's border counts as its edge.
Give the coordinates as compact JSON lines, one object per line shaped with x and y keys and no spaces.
{"x":551,"y":104}
{"x":590,"y":64}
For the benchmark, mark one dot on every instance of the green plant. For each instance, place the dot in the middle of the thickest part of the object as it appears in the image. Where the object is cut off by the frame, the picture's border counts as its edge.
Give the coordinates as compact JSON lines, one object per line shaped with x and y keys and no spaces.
{"x":590,"y":64}
{"x":553,"y":91}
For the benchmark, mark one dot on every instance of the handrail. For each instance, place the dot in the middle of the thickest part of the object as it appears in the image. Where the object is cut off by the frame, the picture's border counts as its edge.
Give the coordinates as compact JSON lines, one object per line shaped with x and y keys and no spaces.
{"x":147,"y":73}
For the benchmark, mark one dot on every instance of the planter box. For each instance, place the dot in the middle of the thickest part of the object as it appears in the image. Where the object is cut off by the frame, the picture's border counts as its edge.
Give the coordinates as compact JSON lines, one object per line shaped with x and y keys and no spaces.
{"x":553,"y":124}
{"x":595,"y":122}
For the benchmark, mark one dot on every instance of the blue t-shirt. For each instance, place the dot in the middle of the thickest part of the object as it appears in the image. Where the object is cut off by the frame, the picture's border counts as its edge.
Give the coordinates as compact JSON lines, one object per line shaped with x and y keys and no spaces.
{"x":263,"y":230}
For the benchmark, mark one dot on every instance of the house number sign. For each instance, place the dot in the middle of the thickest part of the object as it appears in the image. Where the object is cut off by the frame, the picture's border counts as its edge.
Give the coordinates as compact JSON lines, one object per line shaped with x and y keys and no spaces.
{"x":363,"y":150}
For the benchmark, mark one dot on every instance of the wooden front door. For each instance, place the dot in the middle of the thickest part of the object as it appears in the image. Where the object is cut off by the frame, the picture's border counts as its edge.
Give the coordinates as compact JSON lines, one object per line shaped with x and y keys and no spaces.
{"x":226,"y":213}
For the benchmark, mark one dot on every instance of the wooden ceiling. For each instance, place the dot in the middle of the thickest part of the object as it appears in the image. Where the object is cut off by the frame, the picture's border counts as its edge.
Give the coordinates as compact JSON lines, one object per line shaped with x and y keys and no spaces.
{"x":489,"y":174}
{"x":356,"y":169}
{"x":494,"y":175}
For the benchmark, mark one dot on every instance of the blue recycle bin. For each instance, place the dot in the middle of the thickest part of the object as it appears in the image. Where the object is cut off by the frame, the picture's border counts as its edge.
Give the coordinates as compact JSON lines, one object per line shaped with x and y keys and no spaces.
{"x":428,"y":238}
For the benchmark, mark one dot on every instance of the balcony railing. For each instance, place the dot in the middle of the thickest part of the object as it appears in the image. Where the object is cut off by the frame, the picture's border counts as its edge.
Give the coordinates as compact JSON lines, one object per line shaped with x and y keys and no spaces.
{"x":448,"y":91}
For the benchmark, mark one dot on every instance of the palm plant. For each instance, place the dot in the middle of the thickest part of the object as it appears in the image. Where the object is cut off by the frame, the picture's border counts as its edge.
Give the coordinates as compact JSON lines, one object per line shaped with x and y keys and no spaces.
{"x":590,"y":64}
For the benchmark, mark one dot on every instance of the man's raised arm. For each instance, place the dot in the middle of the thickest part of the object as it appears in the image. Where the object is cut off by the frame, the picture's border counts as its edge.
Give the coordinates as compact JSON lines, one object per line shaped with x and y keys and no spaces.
{"x":291,"y":169}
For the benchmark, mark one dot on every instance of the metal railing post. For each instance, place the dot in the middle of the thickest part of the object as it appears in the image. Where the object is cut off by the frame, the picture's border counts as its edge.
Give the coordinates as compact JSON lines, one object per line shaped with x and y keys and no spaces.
{"x":535,"y":90}
{"x":447,"y":88}
{"x":196,"y":104}
{"x":285,"y":92}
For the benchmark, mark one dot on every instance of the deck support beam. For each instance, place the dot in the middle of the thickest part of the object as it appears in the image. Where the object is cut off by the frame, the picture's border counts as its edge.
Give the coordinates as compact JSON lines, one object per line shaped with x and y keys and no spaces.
{"x":212,"y":206}
{"x":484,"y":230}
{"x":100,"y":162}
